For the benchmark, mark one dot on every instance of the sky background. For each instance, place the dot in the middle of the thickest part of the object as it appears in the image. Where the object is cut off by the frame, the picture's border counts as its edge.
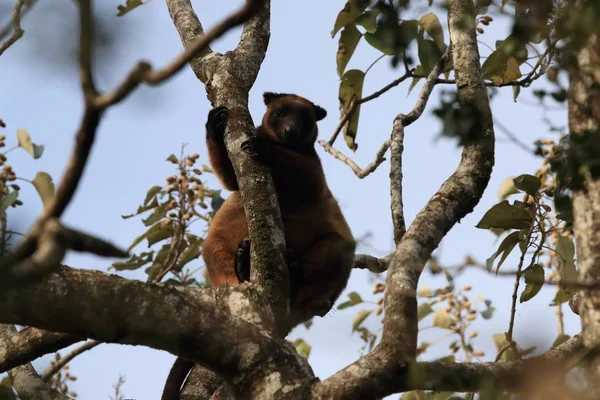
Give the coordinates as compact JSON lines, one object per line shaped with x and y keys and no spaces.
{"x":41,"y":94}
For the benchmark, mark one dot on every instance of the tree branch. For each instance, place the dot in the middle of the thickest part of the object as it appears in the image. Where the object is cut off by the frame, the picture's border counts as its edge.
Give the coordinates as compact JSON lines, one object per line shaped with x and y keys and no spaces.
{"x":456,"y":198}
{"x":456,"y":377}
{"x":16,"y":27}
{"x":95,"y":105}
{"x":66,"y":359}
{"x":228,"y":79}
{"x":24,"y":378}
{"x":206,"y":326}
{"x":29,"y":344}
{"x":584,"y":119}
{"x":189,"y":28}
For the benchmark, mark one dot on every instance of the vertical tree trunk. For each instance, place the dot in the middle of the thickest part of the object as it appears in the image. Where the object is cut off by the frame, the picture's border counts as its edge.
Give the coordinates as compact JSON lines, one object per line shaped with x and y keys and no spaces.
{"x":584,"y":111}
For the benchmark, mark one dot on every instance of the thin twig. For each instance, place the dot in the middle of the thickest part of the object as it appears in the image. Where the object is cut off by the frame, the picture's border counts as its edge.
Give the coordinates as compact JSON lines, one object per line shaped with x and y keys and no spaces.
{"x":66,"y":359}
{"x":345,"y":117}
{"x":142,"y":71}
{"x":95,"y":105}
{"x":354,"y":103}
{"x":16,"y":27}
{"x":397,"y":206}
{"x":404,"y":120}
{"x":86,"y":48}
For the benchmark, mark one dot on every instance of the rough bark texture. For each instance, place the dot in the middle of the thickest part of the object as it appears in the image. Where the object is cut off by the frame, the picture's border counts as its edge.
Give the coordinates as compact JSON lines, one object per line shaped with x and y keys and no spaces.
{"x":228,"y":78}
{"x":584,"y":108}
{"x":30,"y":343}
{"x":25,"y":379}
{"x":370,"y":377}
{"x":205,"y":326}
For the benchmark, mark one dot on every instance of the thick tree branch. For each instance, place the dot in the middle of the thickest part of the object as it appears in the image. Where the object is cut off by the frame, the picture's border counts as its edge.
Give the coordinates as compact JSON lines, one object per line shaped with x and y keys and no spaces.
{"x":31,"y":343}
{"x":189,"y":28}
{"x":584,"y":119}
{"x":228,"y":79}
{"x":24,"y":378}
{"x":95,"y":105}
{"x":206,"y":326}
{"x":456,"y":377}
{"x":456,"y":198}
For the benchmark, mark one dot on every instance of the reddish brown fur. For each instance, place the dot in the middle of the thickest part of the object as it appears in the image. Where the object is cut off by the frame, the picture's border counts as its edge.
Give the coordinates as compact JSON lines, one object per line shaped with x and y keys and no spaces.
{"x":314,"y":226}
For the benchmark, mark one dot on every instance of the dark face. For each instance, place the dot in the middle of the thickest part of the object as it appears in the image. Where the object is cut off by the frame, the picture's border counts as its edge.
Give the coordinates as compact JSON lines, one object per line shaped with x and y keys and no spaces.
{"x":293,"y":123}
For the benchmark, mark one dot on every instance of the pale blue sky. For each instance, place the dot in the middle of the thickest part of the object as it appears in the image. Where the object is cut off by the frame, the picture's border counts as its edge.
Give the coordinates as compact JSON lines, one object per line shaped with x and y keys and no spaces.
{"x":42,"y":96}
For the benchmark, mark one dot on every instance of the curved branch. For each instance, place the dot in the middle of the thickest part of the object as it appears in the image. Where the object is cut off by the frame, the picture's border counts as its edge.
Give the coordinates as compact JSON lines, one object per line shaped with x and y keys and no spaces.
{"x":456,"y":198}
{"x":142,"y":71}
{"x":67,"y":358}
{"x":16,"y":27}
{"x":29,"y":344}
{"x":24,"y":378}
{"x":196,"y":324}
{"x":228,"y":79}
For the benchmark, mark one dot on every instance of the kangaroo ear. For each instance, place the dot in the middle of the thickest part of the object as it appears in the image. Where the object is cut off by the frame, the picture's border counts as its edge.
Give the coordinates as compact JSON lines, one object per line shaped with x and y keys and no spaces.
{"x":320,"y":112}
{"x":270,"y":96}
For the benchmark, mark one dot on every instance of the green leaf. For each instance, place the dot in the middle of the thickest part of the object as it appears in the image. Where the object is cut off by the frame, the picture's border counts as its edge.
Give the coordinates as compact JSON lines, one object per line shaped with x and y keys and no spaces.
{"x":566,"y":253}
{"x":129,"y":6}
{"x":142,"y":209}
{"x":351,"y":11}
{"x":516,"y":92}
{"x":172,"y":158}
{"x":354,"y":300}
{"x":507,"y":245}
{"x":44,"y":186}
{"x":152,"y":192}
{"x":528,"y":183}
{"x":25,"y":142}
{"x":380,"y":40}
{"x":503,"y":64}
{"x":216,"y":200}
{"x":561,"y":297}
{"x":192,"y":252}
{"x":431,"y":24}
{"x":134,"y":262}
{"x":159,"y":213}
{"x":7,"y":200}
{"x":534,"y":280}
{"x":359,"y":318}
{"x":506,"y":189}
{"x":155,"y":234}
{"x":488,"y":313}
{"x":159,"y":262}
{"x":429,"y":54}
{"x":424,"y":310}
{"x":351,"y":85}
{"x":368,"y":20}
{"x":347,"y":44}
{"x":302,"y":348}
{"x":442,"y":319}
{"x":506,"y":216}
{"x":501,"y":343}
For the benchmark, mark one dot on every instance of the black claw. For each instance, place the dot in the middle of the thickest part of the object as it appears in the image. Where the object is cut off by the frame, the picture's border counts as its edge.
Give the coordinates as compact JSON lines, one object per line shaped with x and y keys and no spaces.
{"x":217,"y":120}
{"x":242,"y":261}
{"x":251,"y":147}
